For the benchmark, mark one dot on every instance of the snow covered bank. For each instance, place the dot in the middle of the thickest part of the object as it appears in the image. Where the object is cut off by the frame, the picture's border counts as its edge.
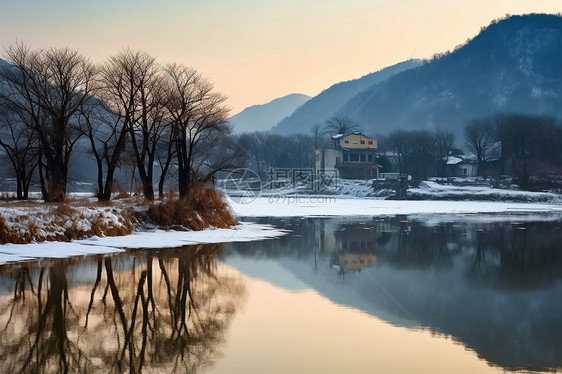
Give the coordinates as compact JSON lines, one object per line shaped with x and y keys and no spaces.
{"x":437,"y":189}
{"x":318,"y":206}
{"x":429,"y":190}
{"x":36,"y":223}
{"x":137,"y":240}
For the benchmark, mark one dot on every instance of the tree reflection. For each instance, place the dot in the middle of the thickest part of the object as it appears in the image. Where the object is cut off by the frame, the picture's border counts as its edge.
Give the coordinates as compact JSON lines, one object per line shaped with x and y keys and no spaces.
{"x":165,"y":311}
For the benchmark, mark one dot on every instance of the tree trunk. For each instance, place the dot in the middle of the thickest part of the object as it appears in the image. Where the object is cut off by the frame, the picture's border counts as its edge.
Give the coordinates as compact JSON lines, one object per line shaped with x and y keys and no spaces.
{"x":19,"y":186}
{"x":56,"y":183}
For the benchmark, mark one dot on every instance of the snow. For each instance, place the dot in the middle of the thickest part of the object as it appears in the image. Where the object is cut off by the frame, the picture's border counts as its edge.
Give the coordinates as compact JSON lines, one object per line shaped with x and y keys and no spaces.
{"x":246,"y":231}
{"x":433,"y":190}
{"x":324,"y":206}
{"x":148,"y":239}
{"x":453,"y":188}
{"x":41,"y":223}
{"x":23,"y":252}
{"x":452,"y":160}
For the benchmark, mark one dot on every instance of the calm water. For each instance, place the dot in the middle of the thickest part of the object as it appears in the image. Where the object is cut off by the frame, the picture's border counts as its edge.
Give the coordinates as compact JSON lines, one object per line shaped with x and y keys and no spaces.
{"x":403,"y":294}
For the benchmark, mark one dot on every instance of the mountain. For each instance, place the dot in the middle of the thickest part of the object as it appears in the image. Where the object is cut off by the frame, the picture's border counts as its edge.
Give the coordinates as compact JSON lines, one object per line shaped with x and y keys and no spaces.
{"x":513,"y":65}
{"x":323,"y":106}
{"x":264,"y":117}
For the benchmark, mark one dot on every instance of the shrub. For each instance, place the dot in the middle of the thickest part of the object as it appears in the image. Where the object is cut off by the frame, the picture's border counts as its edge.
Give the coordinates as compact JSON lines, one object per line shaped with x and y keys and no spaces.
{"x":203,"y":207}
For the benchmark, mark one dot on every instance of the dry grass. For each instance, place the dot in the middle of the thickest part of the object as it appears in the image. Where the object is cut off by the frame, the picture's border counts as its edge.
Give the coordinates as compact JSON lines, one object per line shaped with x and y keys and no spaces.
{"x":8,"y":197}
{"x":204,"y":207}
{"x":4,"y":196}
{"x":121,"y":195}
{"x":26,"y":222}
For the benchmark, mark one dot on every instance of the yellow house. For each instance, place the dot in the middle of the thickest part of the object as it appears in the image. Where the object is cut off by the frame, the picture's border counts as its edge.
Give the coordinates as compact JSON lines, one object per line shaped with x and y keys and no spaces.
{"x":352,"y":156}
{"x":358,"y":141}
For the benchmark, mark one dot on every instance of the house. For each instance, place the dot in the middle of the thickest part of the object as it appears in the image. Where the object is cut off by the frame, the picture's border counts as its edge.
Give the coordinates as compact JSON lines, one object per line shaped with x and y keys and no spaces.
{"x":352,"y":156}
{"x":461,"y":166}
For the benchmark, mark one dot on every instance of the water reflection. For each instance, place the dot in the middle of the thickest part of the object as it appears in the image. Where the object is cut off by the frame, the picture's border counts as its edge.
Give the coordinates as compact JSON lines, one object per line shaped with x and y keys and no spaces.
{"x":492,"y":285}
{"x":165,"y":310}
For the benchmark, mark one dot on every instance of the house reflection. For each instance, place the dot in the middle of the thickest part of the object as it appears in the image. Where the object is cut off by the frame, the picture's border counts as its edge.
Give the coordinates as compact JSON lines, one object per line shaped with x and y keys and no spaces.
{"x":492,"y":284}
{"x":356,"y":247}
{"x":356,"y":261}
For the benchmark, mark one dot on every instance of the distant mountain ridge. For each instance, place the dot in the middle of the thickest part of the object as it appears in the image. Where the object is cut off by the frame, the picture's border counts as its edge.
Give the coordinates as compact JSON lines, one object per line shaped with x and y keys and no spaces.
{"x":513,"y":65}
{"x":264,"y":117}
{"x":324,"y":106}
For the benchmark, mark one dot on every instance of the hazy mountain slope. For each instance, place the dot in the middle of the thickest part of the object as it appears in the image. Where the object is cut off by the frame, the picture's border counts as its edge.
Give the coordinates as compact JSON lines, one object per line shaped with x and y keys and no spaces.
{"x":264,"y":117}
{"x":323,"y":106}
{"x":512,"y":66}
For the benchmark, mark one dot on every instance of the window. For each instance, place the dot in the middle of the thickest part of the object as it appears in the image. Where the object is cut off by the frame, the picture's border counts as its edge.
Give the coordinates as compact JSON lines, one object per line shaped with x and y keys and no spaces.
{"x":370,"y":158}
{"x":370,"y":142}
{"x":362,"y":142}
{"x":345,"y":157}
{"x":346,"y":141}
{"x":363,"y":158}
{"x":464,"y":171}
{"x":354,"y":157}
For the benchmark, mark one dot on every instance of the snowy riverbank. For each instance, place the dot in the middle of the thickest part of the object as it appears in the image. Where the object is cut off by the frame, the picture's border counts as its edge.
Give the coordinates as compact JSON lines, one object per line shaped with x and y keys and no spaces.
{"x":138,"y":240}
{"x":270,"y":206}
{"x":319,"y":206}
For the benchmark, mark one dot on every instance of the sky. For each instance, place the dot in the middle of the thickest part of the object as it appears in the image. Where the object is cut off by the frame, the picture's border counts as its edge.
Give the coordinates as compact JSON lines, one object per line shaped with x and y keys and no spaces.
{"x":257,"y":50}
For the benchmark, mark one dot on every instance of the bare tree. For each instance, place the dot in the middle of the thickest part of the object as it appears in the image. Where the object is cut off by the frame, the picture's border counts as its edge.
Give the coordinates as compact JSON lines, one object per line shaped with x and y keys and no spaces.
{"x":107,"y":136}
{"x":165,"y":155}
{"x":479,"y":139}
{"x":198,"y":117}
{"x":48,"y":87}
{"x":135,"y":91}
{"x":399,"y":143}
{"x":340,"y":125}
{"x":253,"y":145}
{"x":317,"y":135}
{"x":20,"y":146}
{"x":444,"y":142}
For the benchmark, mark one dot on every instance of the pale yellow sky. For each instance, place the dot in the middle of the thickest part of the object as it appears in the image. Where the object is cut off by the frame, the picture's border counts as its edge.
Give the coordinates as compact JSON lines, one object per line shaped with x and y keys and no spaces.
{"x":257,"y":50}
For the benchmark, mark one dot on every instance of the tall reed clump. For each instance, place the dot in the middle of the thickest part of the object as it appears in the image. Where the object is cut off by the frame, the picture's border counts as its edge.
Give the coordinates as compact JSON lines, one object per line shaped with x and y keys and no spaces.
{"x":203,"y":207}
{"x":7,"y":235}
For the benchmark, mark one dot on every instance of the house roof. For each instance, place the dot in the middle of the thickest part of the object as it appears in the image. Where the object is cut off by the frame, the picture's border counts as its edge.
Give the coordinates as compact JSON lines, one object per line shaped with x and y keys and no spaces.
{"x":338,"y":136}
{"x":452,"y":160}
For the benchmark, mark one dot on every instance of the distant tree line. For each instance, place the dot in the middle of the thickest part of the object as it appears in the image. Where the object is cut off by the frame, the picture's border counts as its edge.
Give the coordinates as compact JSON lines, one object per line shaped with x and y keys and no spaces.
{"x":530,"y":145}
{"x":419,"y":153}
{"x":523,"y":146}
{"x":264,"y":150}
{"x":131,"y":109}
